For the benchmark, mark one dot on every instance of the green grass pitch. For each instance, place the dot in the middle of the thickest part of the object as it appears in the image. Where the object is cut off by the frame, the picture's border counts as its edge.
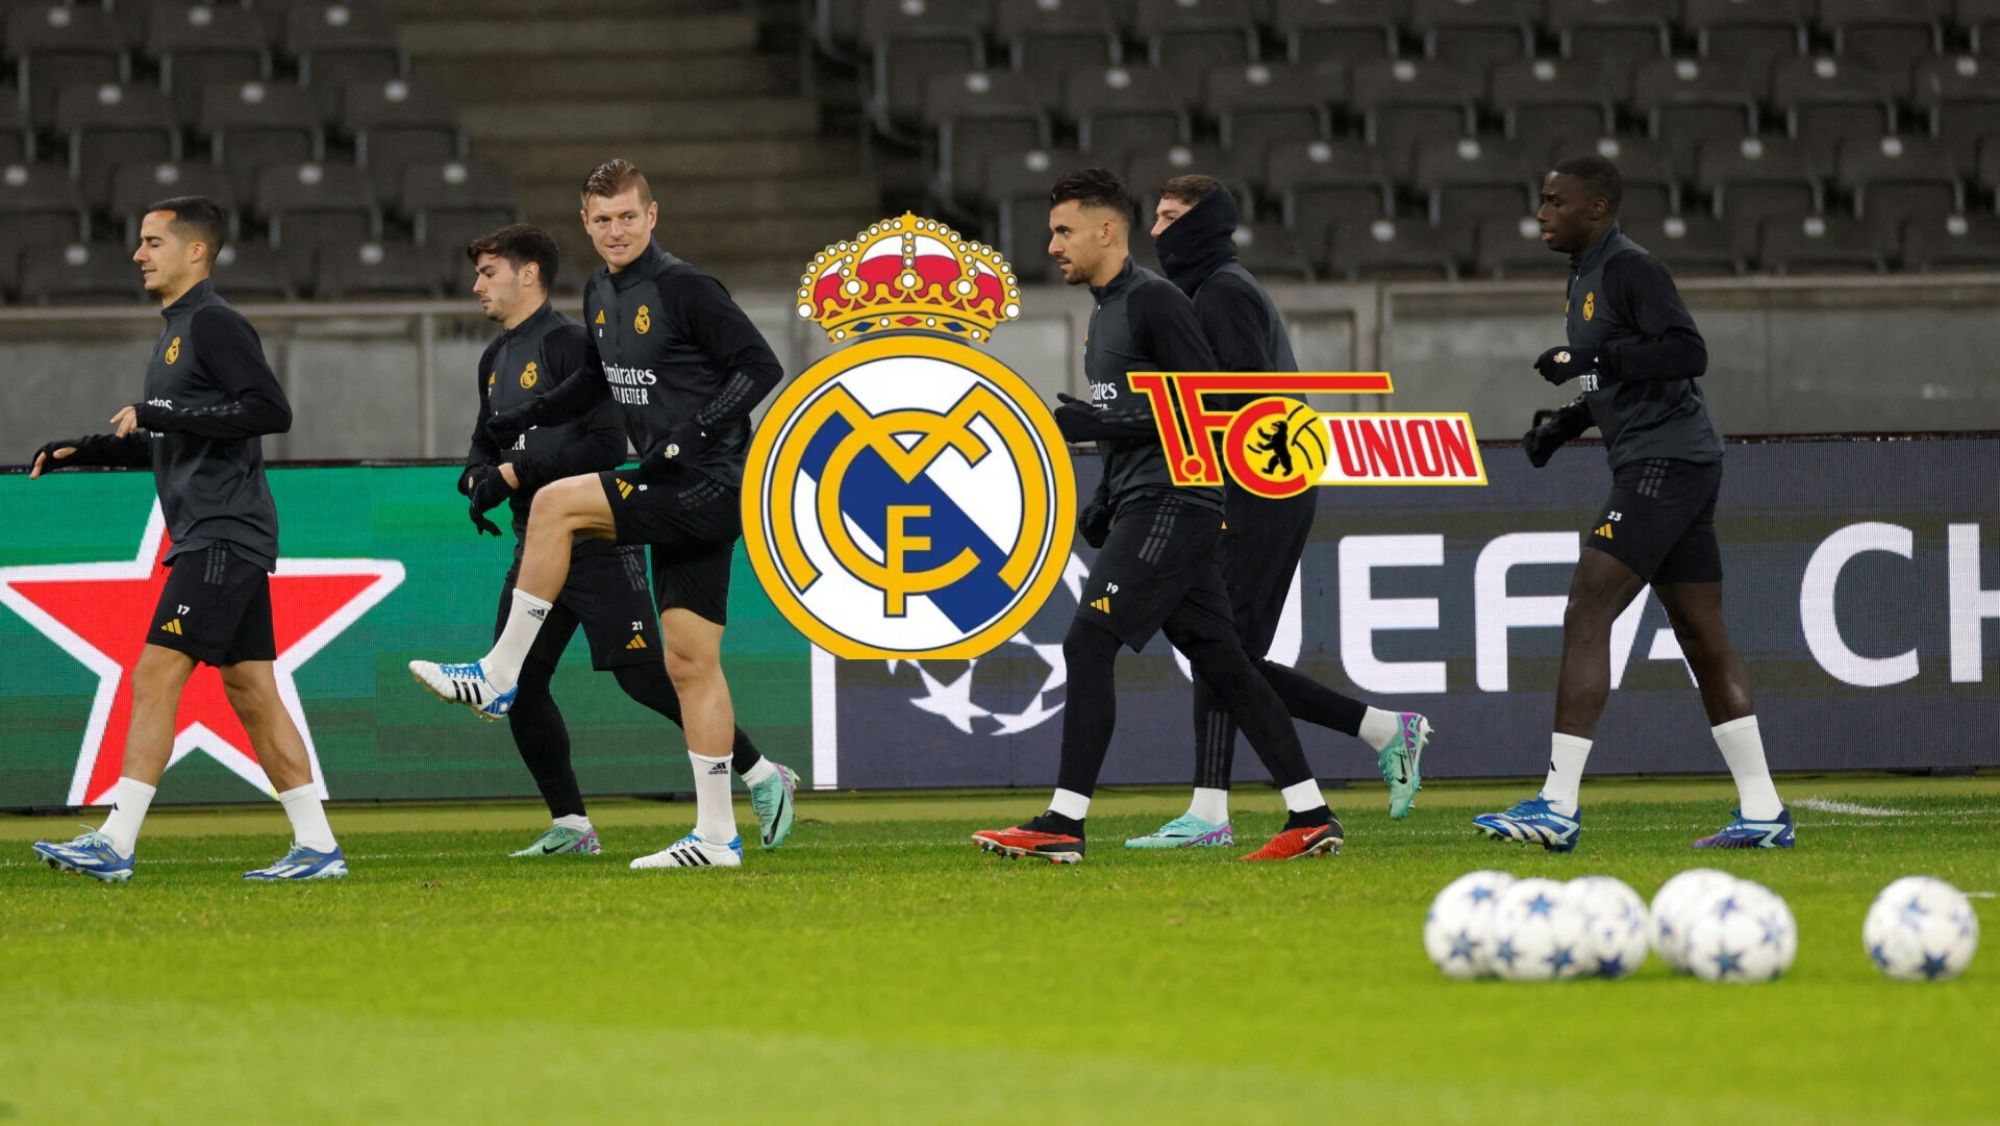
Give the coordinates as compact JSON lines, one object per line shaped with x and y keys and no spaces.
{"x":880,"y":969}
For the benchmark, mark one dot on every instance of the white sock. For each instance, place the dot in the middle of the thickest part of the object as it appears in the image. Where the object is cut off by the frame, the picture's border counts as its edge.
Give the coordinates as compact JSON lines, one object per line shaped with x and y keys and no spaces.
{"x":1743,"y":749}
{"x":575,"y":821}
{"x":309,"y":826}
{"x":761,"y":772}
{"x":130,"y":799}
{"x":1566,"y":757}
{"x":1210,"y":805}
{"x":1301,"y":797}
{"x":1070,"y":804}
{"x":524,"y":621}
{"x":714,"y":817}
{"x":1379,"y":728}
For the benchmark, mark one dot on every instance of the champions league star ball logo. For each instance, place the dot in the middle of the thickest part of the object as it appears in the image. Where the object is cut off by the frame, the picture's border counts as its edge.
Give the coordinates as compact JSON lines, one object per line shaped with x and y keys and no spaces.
{"x":913,"y":497}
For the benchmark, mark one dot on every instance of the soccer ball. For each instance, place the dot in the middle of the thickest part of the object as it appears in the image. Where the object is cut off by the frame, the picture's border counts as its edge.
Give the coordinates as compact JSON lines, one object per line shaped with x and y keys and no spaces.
{"x":1740,"y":933}
{"x":1538,"y":933}
{"x":1671,"y":901}
{"x":1616,"y":926}
{"x":1458,"y":930}
{"x":1921,"y":929}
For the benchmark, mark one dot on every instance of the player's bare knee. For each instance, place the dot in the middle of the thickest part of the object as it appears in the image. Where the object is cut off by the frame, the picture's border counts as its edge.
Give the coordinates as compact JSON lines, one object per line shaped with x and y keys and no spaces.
{"x":692,"y":668}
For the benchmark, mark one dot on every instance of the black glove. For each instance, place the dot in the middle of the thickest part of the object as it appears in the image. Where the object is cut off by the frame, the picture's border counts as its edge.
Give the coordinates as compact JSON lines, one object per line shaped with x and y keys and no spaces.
{"x":490,"y":491}
{"x":75,"y":445}
{"x":1559,"y":365}
{"x":1541,"y":443}
{"x":1094,"y":522}
{"x":684,"y":444}
{"x":506,"y":427}
{"x":481,"y":524}
{"x":469,"y":480}
{"x":1078,"y":421}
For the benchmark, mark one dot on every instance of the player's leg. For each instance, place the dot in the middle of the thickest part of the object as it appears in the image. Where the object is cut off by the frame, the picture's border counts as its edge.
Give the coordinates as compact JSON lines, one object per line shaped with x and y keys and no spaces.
{"x":694,"y":664}
{"x":252,"y":688}
{"x":772,"y":784}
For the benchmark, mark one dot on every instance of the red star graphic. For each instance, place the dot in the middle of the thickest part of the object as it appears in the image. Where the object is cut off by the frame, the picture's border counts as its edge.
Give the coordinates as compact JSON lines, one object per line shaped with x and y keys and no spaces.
{"x":100,"y":614}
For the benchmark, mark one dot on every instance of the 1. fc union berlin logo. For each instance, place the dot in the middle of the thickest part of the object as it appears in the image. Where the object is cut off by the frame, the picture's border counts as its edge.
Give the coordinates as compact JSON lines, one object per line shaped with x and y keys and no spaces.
{"x":908,"y":496}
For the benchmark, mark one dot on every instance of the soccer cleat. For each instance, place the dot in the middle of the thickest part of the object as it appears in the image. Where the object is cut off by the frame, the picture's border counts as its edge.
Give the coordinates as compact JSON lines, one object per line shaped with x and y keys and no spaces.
{"x":560,"y":840}
{"x":772,"y":801}
{"x":1401,"y":759}
{"x":304,"y":863}
{"x":1533,"y":821}
{"x":1307,"y":840}
{"x":1186,"y":831}
{"x":1743,"y":833}
{"x":92,"y":854}
{"x":464,"y":684}
{"x":693,"y":852}
{"x":1039,"y":837}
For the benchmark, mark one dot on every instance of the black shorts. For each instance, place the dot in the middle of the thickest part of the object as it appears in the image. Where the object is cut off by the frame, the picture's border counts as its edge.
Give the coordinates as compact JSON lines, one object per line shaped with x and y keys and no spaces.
{"x":692,"y":523}
{"x":215,"y":607}
{"x":1660,"y":520}
{"x":1261,"y":546}
{"x":1160,"y":562}
{"x":607,"y":595}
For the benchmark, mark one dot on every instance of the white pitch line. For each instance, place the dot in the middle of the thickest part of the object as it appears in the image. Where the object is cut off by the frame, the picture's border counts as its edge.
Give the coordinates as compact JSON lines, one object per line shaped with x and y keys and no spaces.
{"x":1822,"y":805}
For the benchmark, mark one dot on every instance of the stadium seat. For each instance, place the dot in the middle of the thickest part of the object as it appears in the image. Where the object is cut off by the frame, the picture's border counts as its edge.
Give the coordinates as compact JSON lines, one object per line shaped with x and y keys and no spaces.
{"x":1986,"y":168}
{"x":1650,"y":176}
{"x":1747,"y":29}
{"x":1352,"y":32}
{"x":61,"y":44}
{"x":1937,"y":243}
{"x":1263,"y":104}
{"x":373,"y":269}
{"x":14,"y":147}
{"x":1542,"y":101}
{"x":338,"y":43}
{"x":910,"y":40}
{"x":80,"y":274}
{"x":1513,"y":248}
{"x":255,"y":124}
{"x":1825,"y":99}
{"x":1191,"y":36}
{"x":1389,"y":250}
{"x":1476,"y":34}
{"x":1322,"y":183}
{"x":107,"y":125}
{"x":1896,"y":178}
{"x":400,"y":122}
{"x":1117,"y":109}
{"x":38,"y":208}
{"x":135,"y":187}
{"x":1981,"y":21}
{"x":1960,"y":97}
{"x":199,"y":44}
{"x":1407,"y":101}
{"x":1016,"y":190}
{"x":1146,"y":172}
{"x":1818,"y":244}
{"x":1753,"y":178}
{"x":254,"y":271}
{"x":1272,"y":253}
{"x":1467,"y":179}
{"x":1687,"y":244}
{"x":451,"y":204}
{"x":978,"y":114}
{"x":1891,"y":36}
{"x":1047,"y":39}
{"x":1687,"y":102}
{"x":316,"y":204}
{"x":1610,"y":36}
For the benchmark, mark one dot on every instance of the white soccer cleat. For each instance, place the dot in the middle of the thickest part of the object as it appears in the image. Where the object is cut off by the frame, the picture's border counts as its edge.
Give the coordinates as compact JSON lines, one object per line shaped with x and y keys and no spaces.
{"x":693,"y":852}
{"x":465,"y":684}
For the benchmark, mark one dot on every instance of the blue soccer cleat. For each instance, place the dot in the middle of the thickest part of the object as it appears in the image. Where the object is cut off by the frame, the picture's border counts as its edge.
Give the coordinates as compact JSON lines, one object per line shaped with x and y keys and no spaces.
{"x":1743,"y":833}
{"x":91,"y":854}
{"x":1533,"y":821}
{"x":465,"y":684}
{"x":304,"y":863}
{"x":1186,"y":831}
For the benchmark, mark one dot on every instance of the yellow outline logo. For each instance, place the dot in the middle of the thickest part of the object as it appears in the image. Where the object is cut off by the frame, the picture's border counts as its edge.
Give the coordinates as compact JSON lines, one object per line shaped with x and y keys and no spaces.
{"x":1590,"y":305}
{"x":174,"y":351}
{"x":642,"y":321}
{"x":529,"y":375}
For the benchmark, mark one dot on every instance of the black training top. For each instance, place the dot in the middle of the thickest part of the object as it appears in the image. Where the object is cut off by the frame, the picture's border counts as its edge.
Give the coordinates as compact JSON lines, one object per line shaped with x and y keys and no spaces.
{"x":210,"y":399}
{"x":1624,"y":311}
{"x":527,"y":362}
{"x":1141,"y":323}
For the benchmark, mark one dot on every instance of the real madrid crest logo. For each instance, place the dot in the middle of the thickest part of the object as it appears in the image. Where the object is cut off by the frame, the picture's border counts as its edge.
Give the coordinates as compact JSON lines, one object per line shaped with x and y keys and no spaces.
{"x":529,"y":375}
{"x":642,"y":321}
{"x":174,"y":351}
{"x":1589,"y":305}
{"x":908,"y":496}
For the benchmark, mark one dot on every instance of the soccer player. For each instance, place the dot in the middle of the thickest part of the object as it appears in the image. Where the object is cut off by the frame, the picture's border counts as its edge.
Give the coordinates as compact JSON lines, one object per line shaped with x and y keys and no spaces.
{"x":685,"y":366}
{"x":607,"y":591}
{"x":209,"y":399}
{"x":1157,"y":570}
{"x":1637,"y":358}
{"x":1262,"y":540}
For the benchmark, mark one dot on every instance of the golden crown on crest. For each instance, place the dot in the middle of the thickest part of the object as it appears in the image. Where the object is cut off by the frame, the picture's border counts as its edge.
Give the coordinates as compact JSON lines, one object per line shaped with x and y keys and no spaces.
{"x":909,"y":273}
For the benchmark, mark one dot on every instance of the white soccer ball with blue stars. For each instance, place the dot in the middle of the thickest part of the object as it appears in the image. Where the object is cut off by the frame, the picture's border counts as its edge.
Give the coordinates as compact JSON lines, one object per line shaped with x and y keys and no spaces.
{"x":1458,"y":930}
{"x":1741,"y":934}
{"x":1669,"y":913}
{"x":1921,"y":929}
{"x":1617,"y":927}
{"x":1538,"y":933}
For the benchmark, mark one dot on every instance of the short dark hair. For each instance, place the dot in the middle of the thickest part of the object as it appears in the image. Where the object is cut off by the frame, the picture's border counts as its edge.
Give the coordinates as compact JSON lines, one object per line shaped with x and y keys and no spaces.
{"x":1095,"y":187}
{"x":615,"y":177}
{"x":1598,"y":175}
{"x":519,"y":244}
{"x":1191,"y":188}
{"x":198,"y":218}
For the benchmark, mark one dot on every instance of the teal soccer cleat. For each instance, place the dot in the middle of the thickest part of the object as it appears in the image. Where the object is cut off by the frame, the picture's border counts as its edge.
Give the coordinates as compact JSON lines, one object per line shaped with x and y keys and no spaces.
{"x":1186,"y":831}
